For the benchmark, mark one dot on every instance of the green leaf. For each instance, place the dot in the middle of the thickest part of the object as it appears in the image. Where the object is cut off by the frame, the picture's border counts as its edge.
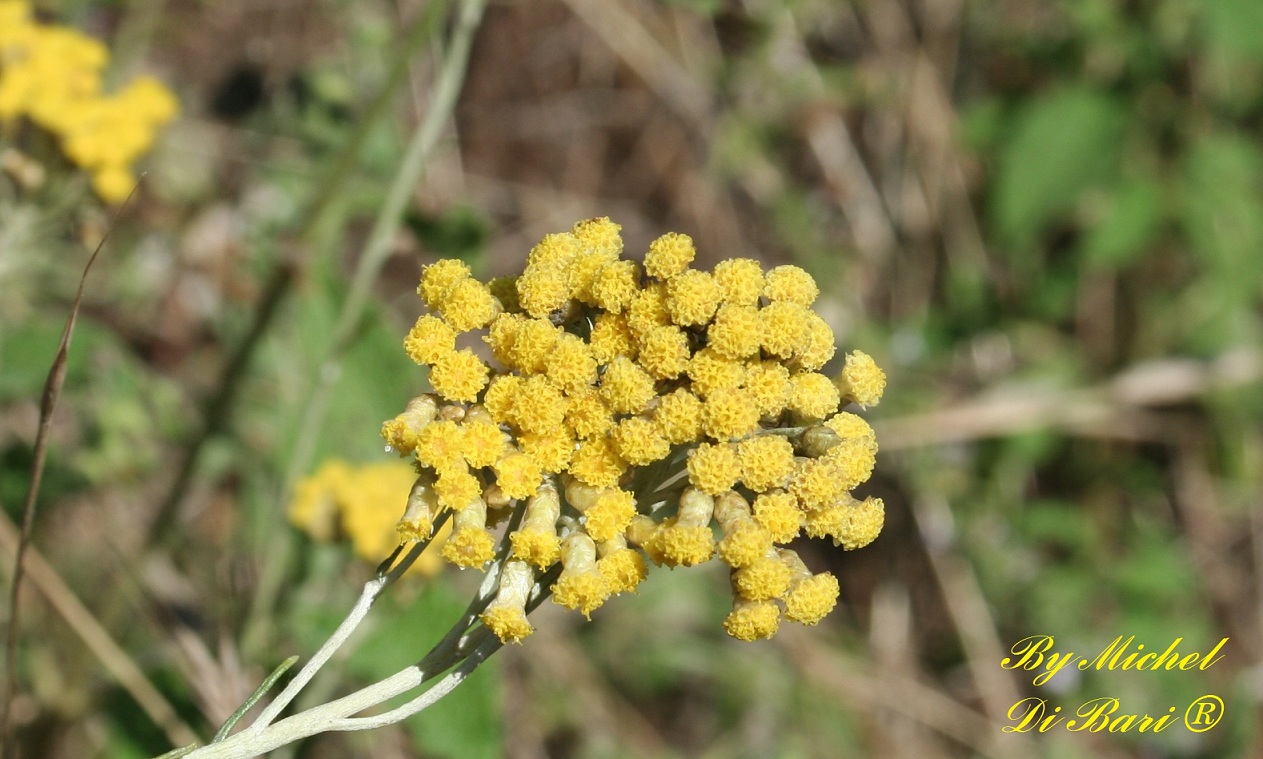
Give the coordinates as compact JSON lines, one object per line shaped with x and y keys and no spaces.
{"x":1061,"y":144}
{"x":1127,"y":226}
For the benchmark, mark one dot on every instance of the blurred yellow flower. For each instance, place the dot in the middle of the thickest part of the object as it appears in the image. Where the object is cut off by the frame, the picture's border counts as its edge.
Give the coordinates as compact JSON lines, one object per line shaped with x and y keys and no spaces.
{"x":362,"y":504}
{"x":51,"y":75}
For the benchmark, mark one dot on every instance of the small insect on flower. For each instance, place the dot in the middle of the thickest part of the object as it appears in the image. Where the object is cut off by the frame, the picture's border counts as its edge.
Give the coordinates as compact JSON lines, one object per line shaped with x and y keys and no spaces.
{"x":628,"y":414}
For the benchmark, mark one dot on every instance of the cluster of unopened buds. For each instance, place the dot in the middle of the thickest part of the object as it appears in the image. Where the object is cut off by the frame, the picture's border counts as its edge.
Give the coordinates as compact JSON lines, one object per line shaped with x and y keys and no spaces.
{"x":635,"y":411}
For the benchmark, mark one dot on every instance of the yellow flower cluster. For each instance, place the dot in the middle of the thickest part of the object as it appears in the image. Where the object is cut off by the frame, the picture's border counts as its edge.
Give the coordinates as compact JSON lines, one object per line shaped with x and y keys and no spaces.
{"x":637,"y":411}
{"x":52,"y":75}
{"x":360,"y":503}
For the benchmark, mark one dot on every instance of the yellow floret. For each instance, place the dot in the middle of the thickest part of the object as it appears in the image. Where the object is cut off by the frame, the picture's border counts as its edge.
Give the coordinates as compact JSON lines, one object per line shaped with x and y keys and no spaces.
{"x":767,"y":461}
{"x":692,"y":297}
{"x":828,"y":519}
{"x":538,"y":406}
{"x":429,"y":339}
{"x":790,"y":284}
{"x":664,"y":352}
{"x":763,"y":579}
{"x":596,"y":463}
{"x":501,"y":336}
{"x":599,"y":235}
{"x":536,"y":547}
{"x":587,"y":413}
{"x":679,"y":416}
{"x":863,"y":524}
{"x":500,"y":396}
{"x":623,"y":569}
{"x":506,"y":614}
{"x":862,"y":381}
{"x":611,"y":337}
{"x":813,"y":396}
{"x":854,"y":460}
{"x":818,"y":346}
{"x":583,"y":272}
{"x":816,"y":484}
{"x":417,"y":522}
{"x":551,"y":450}
{"x":615,"y":286}
{"x":741,"y":280}
{"x":768,"y":383}
{"x":468,"y":305}
{"x":785,"y":328}
{"x":625,"y":387}
{"x":535,"y":541}
{"x":482,"y":442}
{"x":470,"y":544}
{"x":730,"y":414}
{"x":533,"y":344}
{"x":753,"y":620}
{"x":438,"y":278}
{"x":459,"y":375}
{"x":571,"y":364}
{"x":737,"y":331}
{"x":639,"y":441}
{"x":469,"y":547}
{"x":745,"y":543}
{"x":810,"y":599}
{"x":543,"y":289}
{"x":581,"y":585}
{"x":440,"y":445}
{"x":610,"y":515}
{"x":555,"y":250}
{"x":508,"y":623}
{"x":714,"y":468}
{"x":712,"y":373}
{"x":399,"y":438}
{"x":582,"y":592}
{"x":669,"y":255}
{"x":648,"y":310}
{"x":457,"y":486}
{"x":401,"y":432}
{"x":852,"y":427}
{"x":778,"y":512}
{"x":518,"y":475}
{"x":680,"y":545}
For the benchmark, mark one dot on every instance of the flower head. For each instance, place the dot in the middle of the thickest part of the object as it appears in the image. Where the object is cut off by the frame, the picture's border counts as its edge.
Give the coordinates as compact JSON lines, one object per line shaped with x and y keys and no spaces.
{"x":632,"y":414}
{"x":669,"y":255}
{"x":862,"y":381}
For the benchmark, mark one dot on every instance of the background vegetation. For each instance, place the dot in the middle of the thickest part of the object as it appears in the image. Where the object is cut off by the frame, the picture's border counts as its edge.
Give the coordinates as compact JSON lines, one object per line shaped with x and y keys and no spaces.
{"x":1044,"y":219}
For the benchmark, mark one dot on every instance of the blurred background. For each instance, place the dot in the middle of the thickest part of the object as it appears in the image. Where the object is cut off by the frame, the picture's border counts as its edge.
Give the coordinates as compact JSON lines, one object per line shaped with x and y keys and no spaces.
{"x":1043,"y":219}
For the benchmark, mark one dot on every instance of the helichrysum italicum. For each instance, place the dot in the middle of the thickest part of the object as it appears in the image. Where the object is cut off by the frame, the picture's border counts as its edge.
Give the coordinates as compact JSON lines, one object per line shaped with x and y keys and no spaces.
{"x":52,"y":76}
{"x":637,"y":412}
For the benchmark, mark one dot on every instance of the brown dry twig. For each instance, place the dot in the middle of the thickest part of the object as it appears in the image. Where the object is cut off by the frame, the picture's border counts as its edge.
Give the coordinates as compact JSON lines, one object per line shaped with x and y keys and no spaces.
{"x":48,"y":403}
